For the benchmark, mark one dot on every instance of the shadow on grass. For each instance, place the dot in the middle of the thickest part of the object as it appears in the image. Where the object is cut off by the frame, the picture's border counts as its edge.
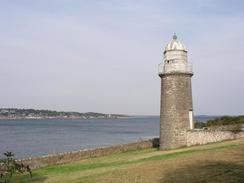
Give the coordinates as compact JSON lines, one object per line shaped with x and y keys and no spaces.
{"x":27,"y":179}
{"x":218,"y":171}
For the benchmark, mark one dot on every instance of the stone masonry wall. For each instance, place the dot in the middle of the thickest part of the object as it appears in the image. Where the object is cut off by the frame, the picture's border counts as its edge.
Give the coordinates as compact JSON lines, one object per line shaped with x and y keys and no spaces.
{"x":68,"y":157}
{"x":204,"y":137}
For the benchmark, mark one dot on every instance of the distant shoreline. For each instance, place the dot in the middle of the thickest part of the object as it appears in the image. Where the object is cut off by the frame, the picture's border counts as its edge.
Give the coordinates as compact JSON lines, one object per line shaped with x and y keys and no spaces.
{"x":50,"y":118}
{"x":18,"y":114}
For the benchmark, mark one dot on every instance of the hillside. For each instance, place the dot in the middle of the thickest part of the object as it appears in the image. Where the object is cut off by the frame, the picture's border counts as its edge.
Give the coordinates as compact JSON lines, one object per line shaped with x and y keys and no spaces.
{"x":218,"y":162}
{"x":221,"y":121}
{"x":14,"y":113}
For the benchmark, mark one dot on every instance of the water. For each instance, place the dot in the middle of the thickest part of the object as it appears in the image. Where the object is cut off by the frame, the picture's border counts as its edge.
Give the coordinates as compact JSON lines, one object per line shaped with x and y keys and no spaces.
{"x":40,"y":137}
{"x":28,"y":138}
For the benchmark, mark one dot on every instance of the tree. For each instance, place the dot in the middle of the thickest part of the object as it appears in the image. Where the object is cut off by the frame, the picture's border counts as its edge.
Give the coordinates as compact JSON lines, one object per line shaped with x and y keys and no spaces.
{"x":9,"y":166}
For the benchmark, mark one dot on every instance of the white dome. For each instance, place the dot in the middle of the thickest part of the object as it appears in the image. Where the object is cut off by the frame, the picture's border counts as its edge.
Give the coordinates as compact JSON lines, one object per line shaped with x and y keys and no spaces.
{"x":174,"y":44}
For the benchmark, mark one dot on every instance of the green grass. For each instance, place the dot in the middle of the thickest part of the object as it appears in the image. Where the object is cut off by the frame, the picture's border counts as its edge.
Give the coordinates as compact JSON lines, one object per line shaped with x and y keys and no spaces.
{"x":94,"y":169}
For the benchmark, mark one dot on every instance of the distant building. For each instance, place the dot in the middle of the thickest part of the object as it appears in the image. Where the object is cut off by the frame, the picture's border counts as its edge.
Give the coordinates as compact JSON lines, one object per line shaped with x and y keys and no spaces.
{"x":176,"y":113}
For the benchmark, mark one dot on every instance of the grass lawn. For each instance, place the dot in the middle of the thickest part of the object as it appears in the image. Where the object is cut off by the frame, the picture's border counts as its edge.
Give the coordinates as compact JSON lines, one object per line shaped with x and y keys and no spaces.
{"x":219,"y":162}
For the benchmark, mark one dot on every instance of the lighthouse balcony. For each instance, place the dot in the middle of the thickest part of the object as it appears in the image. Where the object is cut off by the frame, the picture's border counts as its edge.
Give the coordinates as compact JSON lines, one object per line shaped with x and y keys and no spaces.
{"x":174,"y":68}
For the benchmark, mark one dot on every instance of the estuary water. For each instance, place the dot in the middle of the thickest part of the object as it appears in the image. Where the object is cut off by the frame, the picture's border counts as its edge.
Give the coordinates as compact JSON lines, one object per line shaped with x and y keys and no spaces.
{"x":30,"y":138}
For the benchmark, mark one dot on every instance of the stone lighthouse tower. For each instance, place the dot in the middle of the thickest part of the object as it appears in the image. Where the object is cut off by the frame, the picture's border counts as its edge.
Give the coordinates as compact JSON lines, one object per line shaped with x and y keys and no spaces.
{"x":176,"y":114}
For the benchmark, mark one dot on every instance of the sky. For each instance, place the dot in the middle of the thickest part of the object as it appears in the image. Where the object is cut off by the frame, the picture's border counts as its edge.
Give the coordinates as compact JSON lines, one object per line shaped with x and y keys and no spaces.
{"x":103,"y":55}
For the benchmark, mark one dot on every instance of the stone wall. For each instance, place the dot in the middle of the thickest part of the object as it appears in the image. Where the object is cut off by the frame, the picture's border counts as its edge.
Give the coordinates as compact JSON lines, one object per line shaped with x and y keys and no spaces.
{"x":199,"y":137}
{"x":226,"y":127}
{"x":62,"y":158}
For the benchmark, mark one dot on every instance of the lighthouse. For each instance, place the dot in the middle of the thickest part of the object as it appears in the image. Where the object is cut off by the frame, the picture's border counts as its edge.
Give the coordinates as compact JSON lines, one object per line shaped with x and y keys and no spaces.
{"x":176,"y":111}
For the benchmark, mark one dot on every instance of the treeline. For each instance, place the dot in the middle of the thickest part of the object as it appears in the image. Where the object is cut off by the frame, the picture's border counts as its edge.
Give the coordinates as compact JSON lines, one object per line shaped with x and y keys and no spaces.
{"x":221,"y":121}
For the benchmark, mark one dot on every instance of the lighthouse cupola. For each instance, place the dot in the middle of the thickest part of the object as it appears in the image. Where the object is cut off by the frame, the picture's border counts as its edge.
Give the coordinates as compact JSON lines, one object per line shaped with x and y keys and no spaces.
{"x":175,"y":58}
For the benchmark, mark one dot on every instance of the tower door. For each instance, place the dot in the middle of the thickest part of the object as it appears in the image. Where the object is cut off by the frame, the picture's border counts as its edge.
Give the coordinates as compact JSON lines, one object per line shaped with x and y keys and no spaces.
{"x":191,"y":120}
